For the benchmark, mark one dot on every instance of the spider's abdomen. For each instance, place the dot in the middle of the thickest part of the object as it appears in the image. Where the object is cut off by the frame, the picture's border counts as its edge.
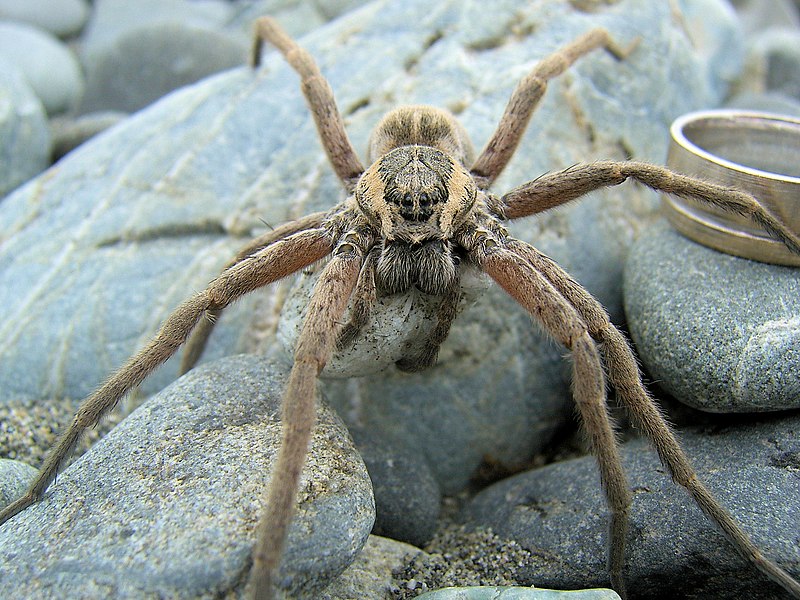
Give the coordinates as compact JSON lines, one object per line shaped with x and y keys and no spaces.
{"x":431,"y":267}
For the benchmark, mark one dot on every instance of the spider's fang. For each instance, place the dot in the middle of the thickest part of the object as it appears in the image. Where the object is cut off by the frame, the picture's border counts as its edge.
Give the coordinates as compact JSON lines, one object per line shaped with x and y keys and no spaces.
{"x":352,"y":243}
{"x":486,"y":238}
{"x":347,"y":248}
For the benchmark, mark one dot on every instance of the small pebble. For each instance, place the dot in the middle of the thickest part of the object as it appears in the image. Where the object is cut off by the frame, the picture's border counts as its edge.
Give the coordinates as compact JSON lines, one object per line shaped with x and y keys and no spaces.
{"x":49,"y":66}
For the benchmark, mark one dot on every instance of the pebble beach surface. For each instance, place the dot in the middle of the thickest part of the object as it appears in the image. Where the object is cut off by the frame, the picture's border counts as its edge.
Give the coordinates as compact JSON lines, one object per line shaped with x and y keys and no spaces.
{"x":138,"y":152}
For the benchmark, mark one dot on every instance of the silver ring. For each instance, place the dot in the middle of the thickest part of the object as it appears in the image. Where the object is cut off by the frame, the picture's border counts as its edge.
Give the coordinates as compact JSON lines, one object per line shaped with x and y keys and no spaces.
{"x":755,"y":152}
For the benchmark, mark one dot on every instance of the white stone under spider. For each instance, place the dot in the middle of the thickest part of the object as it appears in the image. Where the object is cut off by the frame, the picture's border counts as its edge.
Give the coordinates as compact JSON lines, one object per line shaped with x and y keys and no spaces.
{"x":398,"y":324}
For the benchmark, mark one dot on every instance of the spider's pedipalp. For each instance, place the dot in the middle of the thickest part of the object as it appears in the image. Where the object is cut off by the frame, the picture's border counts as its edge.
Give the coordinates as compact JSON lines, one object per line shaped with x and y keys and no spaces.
{"x":314,"y":346}
{"x":364,"y":296}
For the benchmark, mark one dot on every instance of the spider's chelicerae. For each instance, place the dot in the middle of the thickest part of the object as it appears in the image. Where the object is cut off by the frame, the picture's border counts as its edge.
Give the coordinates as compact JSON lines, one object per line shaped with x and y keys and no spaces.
{"x":416,"y":217}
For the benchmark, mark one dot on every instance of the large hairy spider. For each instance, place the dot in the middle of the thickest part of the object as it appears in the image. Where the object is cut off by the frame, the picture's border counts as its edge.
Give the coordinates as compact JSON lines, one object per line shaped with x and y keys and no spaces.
{"x":418,"y":216}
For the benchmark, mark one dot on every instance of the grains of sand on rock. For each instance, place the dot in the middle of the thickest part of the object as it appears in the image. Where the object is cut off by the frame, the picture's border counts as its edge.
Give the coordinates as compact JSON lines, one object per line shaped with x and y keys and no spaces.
{"x":28,"y":430}
{"x":458,"y":557}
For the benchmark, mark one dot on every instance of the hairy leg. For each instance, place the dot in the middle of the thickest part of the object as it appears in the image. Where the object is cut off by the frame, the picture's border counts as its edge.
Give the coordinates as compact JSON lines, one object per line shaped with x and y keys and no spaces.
{"x":624,"y":375}
{"x":554,"y":189}
{"x":525,"y":98}
{"x":314,"y":347}
{"x":320,"y":99}
{"x":535,"y":293}
{"x":199,"y":337}
{"x":273,"y":263}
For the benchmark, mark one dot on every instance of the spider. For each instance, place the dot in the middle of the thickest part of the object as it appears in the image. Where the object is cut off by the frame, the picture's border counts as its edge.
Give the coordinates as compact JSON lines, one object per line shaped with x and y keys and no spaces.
{"x":417,"y":217}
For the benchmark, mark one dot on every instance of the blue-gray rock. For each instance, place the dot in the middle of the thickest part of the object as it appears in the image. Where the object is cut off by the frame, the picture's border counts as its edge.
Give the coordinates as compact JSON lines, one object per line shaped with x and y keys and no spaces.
{"x":112,"y":19}
{"x":370,"y":575}
{"x":407,"y":495}
{"x":774,"y":102}
{"x":131,"y":223}
{"x":15,"y":478}
{"x":559,"y":513}
{"x":60,"y":17}
{"x":296,"y":16}
{"x":718,"y":332}
{"x":149,"y":62}
{"x":517,"y":593}
{"x":68,"y":131}
{"x":777,"y":51}
{"x":134,"y":53}
{"x":758,"y":15}
{"x":49,"y":66}
{"x":24,"y":135}
{"x":167,"y":503}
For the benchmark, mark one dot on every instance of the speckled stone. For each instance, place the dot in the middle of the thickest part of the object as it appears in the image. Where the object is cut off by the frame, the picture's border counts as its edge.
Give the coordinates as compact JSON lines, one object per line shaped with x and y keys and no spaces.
{"x":718,"y":332}
{"x":517,"y":593}
{"x":407,"y":496}
{"x":370,"y":575}
{"x":15,"y":478}
{"x":166,"y":504}
{"x":559,"y":513}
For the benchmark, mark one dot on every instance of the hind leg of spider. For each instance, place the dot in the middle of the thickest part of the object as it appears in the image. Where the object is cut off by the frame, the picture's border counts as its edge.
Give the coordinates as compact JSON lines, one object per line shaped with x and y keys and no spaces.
{"x":319,"y":95}
{"x":273,"y":263}
{"x":526,"y":96}
{"x":198,"y":339}
{"x":624,"y":375}
{"x":560,"y":319}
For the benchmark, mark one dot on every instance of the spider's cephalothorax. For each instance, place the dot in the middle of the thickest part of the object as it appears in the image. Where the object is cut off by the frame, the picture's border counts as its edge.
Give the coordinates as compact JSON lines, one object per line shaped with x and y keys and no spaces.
{"x":416,"y":195}
{"x":410,"y":218}
{"x":416,"y":190}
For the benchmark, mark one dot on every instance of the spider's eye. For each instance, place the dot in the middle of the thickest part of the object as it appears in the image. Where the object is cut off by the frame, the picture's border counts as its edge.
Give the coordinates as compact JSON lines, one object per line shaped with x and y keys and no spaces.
{"x":424,"y":200}
{"x":408,"y":200}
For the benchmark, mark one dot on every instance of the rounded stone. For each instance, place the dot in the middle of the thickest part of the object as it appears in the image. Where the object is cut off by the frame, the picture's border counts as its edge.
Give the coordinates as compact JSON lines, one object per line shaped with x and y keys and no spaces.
{"x":15,"y":478}
{"x":49,"y":66}
{"x":407,"y":495}
{"x":144,"y":64}
{"x":718,"y":332}
{"x":559,"y":513}
{"x":24,"y":135}
{"x":166,"y":505}
{"x":60,"y":17}
{"x":777,"y":51}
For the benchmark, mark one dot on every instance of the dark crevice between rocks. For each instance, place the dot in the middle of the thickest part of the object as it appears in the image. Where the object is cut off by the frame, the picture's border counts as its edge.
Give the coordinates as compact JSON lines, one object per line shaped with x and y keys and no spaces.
{"x":171,"y":231}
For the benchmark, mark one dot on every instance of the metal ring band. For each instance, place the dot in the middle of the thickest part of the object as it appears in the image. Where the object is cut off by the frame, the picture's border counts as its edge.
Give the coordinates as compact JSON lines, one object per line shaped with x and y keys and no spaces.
{"x":755,"y":152}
